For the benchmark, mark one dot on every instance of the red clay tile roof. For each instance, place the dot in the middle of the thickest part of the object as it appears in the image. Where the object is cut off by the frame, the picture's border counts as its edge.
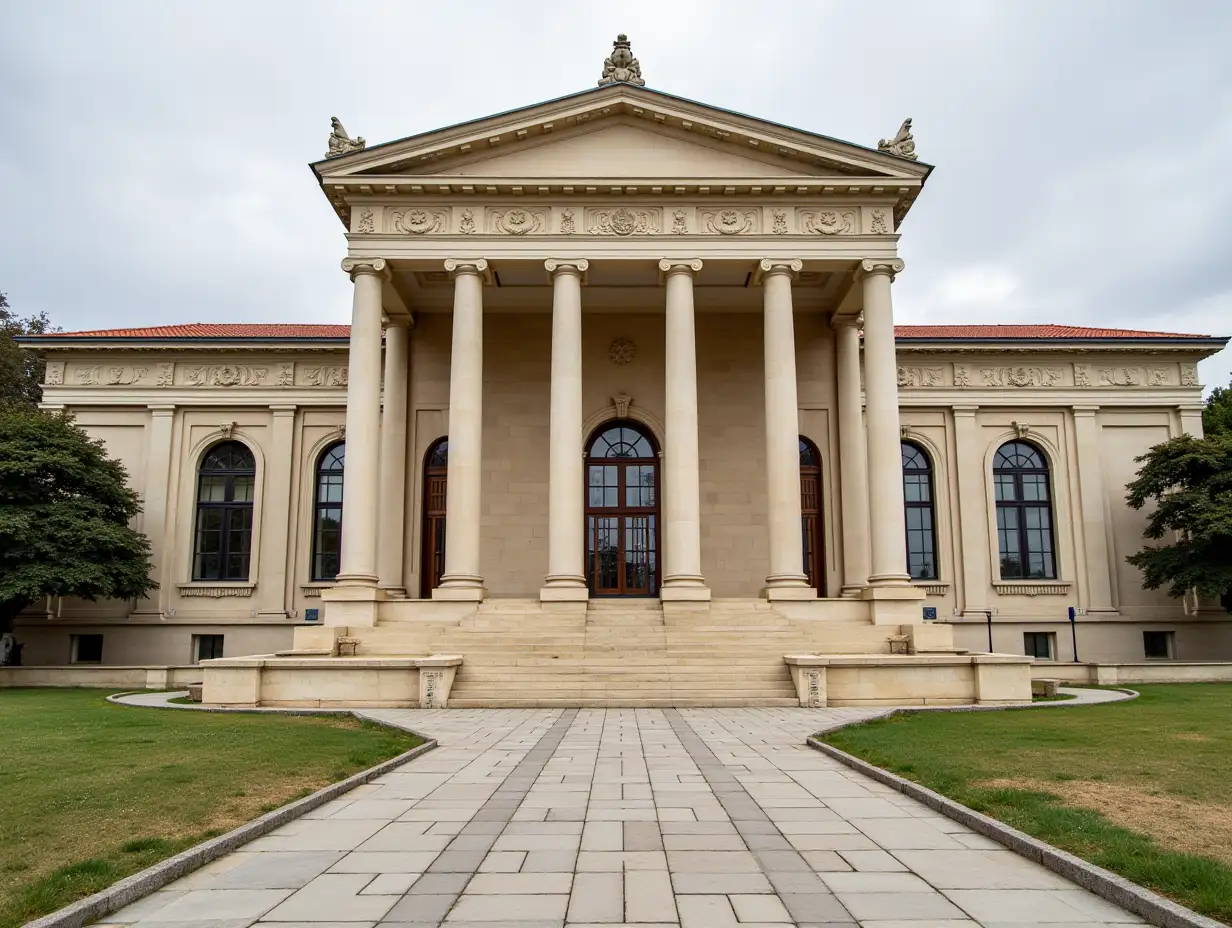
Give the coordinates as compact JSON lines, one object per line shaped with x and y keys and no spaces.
{"x":208,"y":330}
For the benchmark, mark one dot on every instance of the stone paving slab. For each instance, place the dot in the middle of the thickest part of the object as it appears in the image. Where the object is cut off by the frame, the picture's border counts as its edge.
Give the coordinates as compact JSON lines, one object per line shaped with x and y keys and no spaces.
{"x":608,"y":817}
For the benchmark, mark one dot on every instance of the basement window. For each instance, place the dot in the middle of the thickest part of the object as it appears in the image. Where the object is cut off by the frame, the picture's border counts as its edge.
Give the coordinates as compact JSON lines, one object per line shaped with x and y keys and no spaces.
{"x":206,"y":647}
{"x":1159,"y":646}
{"x":86,"y":649}
{"x":1040,"y":645}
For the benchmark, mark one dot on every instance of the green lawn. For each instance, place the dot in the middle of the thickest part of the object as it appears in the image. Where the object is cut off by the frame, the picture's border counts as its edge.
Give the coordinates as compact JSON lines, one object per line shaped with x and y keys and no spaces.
{"x":93,"y":791}
{"x":1140,"y":788}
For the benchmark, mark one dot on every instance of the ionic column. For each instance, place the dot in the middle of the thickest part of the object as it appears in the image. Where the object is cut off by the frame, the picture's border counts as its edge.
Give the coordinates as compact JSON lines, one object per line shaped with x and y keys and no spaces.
{"x":566,"y":579}
{"x":393,"y":460}
{"x":363,"y":425}
{"x":462,"y":579}
{"x":884,"y":441}
{"x":853,"y":464}
{"x":682,"y":564}
{"x":787,"y":579}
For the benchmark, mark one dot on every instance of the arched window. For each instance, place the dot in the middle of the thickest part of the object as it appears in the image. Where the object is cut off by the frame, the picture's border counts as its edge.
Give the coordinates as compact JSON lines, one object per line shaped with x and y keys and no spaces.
{"x":622,"y":512}
{"x":1024,"y":513}
{"x":918,"y":500}
{"x":810,"y":514}
{"x":327,"y":513}
{"x":436,"y":482}
{"x":225,"y":486}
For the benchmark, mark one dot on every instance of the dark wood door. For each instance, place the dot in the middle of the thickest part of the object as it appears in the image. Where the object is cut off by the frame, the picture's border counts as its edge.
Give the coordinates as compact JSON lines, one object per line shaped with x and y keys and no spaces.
{"x":810,"y":515}
{"x":622,"y":513}
{"x":436,"y":475}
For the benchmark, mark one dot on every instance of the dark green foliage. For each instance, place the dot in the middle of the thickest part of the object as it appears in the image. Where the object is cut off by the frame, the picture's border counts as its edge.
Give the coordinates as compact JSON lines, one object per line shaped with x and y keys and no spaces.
{"x":65,"y":509}
{"x":1217,"y":416}
{"x":21,"y":371}
{"x":1190,"y":482}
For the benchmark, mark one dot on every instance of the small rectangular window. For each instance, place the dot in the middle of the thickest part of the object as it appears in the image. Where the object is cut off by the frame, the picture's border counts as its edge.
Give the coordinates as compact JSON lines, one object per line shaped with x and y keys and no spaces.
{"x":1159,"y":646}
{"x":87,"y":649}
{"x":1040,"y":645}
{"x":206,"y":647}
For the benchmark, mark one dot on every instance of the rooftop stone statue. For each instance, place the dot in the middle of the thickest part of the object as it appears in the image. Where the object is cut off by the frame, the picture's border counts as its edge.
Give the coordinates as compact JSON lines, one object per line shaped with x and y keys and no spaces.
{"x":621,"y":67}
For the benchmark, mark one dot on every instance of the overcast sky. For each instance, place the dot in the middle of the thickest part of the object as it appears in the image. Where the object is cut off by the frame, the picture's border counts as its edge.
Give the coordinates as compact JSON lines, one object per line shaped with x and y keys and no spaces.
{"x":154,"y":163}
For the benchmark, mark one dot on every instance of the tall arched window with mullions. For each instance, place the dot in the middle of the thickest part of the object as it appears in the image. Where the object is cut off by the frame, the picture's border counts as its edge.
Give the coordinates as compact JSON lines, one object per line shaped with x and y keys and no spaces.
{"x":1024,"y":513}
{"x":226,"y":484}
{"x":327,"y":513}
{"x":918,"y":500}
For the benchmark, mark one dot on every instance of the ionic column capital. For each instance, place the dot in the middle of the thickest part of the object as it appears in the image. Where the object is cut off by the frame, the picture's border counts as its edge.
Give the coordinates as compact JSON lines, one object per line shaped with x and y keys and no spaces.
{"x":577,"y":267}
{"x":847,"y":321}
{"x":670,"y":266}
{"x":356,"y":267}
{"x":768,"y":267}
{"x":462,"y":267}
{"x":871,"y":267}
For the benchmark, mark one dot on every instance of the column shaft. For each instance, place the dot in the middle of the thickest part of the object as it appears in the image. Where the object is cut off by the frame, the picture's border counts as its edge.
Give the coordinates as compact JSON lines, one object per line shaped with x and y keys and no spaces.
{"x":1094,"y":526}
{"x":393,"y":461}
{"x":787,"y":578}
{"x":363,"y":425}
{"x":566,"y":579}
{"x":853,"y":463}
{"x":682,"y":566}
{"x":885,"y":461}
{"x":462,"y":579}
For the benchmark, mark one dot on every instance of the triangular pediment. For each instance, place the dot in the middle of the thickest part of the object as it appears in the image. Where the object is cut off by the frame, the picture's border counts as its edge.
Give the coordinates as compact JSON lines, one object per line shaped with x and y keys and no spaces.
{"x":621,"y":131}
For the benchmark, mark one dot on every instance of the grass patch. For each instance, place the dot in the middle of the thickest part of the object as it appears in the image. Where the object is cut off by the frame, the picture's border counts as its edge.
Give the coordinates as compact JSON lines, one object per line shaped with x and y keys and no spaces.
{"x":1136,"y":787}
{"x":95,"y":792}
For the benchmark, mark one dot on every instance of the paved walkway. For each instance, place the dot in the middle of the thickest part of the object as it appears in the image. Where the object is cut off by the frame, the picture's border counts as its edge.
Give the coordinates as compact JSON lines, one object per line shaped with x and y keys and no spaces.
{"x":647,"y":817}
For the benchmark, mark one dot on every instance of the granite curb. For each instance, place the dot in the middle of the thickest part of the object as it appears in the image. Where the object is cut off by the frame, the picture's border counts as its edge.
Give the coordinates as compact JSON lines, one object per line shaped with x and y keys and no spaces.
{"x":1158,"y":911}
{"x":132,"y":888}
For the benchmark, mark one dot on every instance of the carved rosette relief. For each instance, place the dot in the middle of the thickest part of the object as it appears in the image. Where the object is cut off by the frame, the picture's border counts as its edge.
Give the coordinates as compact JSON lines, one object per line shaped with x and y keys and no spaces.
{"x":622,"y":351}
{"x":225,"y":375}
{"x":325,"y":376}
{"x":730,"y":221}
{"x":517,"y":221}
{"x":826,"y":221}
{"x":419,"y":221}
{"x":624,"y":221}
{"x":1189,"y":375}
{"x":1020,"y":376}
{"x":55,"y":373}
{"x":919,"y":376}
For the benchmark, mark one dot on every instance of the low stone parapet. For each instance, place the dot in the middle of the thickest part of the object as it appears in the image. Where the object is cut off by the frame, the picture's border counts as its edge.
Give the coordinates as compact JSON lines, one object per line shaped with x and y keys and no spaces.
{"x":823,"y":680}
{"x":320,"y":682}
{"x":102,"y":676}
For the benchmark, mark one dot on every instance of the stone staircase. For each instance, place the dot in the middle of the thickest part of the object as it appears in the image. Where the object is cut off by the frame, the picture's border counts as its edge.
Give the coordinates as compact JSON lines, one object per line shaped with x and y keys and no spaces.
{"x":520,"y":653}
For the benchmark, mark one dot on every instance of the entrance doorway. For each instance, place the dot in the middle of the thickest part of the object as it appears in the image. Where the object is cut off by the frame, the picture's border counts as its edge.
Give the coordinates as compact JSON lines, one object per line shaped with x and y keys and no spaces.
{"x":622,"y":511}
{"x":436,"y":476}
{"x":810,"y":515}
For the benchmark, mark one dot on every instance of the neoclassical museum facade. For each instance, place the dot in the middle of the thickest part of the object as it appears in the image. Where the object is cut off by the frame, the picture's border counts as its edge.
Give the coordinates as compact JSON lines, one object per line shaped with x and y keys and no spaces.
{"x":622,"y":345}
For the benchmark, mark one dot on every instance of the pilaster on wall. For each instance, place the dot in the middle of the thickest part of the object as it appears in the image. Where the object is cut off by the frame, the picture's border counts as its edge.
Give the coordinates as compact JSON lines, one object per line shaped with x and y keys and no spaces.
{"x":972,"y":515}
{"x":275,"y":551}
{"x":1100,"y":595}
{"x":154,"y":513}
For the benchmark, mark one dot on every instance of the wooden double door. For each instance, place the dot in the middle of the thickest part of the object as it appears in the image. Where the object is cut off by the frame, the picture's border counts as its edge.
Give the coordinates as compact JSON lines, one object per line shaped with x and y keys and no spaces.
{"x":622,"y":511}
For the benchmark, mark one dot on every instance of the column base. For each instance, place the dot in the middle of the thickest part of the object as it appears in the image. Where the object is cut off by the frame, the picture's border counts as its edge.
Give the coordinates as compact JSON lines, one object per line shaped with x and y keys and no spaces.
{"x":894,"y":605}
{"x":564,"y":589}
{"x":394,"y":592}
{"x":788,"y":588}
{"x":852,"y":592}
{"x":684,"y":589}
{"x":459,"y":588}
{"x":354,"y":605}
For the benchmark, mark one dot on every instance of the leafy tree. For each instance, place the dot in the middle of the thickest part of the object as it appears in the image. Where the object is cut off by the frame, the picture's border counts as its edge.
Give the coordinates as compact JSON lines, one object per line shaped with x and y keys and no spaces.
{"x":1190,"y":480}
{"x":20,"y":371}
{"x":65,"y":508}
{"x":1217,"y":416}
